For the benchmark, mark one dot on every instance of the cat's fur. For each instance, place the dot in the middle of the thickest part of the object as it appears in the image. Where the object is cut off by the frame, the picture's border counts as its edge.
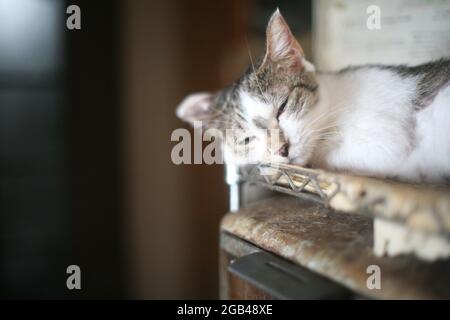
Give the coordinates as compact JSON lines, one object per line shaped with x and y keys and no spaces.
{"x":383,"y":121}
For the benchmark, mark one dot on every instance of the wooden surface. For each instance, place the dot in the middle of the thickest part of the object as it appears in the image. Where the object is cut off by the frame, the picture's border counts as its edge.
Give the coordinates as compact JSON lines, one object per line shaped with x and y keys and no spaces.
{"x":337,"y":245}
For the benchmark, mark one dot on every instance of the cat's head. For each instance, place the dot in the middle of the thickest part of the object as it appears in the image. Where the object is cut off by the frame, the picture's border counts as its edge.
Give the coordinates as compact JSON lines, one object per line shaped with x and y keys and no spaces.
{"x":260,"y":113}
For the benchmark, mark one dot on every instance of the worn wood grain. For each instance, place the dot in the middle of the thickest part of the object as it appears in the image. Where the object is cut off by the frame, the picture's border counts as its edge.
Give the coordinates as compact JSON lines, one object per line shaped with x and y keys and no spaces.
{"x":336,"y":245}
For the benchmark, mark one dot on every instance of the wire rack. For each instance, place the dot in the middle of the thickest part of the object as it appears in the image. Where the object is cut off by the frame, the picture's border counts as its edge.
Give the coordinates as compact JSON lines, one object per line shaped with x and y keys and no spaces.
{"x":298,"y":182}
{"x":416,"y":211}
{"x":422,"y":207}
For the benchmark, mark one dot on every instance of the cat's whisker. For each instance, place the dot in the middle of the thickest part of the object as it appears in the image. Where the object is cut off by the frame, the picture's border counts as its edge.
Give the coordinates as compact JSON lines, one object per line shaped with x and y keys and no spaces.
{"x":324,"y":128}
{"x":337,"y":111}
{"x":327,"y":133}
{"x":319,"y":132}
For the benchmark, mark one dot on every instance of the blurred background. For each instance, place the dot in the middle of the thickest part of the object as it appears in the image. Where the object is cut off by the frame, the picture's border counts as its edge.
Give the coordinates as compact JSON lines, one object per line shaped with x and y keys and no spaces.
{"x":86,"y":118}
{"x":85,"y":122}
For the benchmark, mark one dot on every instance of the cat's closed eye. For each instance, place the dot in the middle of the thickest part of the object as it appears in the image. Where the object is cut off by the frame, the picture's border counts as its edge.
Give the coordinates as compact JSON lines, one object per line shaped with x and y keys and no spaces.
{"x":281,"y":108}
{"x":246,"y":141}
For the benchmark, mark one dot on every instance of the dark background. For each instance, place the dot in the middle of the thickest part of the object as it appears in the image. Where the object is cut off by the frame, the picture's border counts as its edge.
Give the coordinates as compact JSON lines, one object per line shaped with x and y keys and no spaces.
{"x":85,"y":123}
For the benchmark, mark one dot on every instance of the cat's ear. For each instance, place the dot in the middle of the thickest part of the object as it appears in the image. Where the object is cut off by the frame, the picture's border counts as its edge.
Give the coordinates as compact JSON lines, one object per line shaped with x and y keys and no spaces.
{"x":196,"y":107}
{"x":282,"y":47}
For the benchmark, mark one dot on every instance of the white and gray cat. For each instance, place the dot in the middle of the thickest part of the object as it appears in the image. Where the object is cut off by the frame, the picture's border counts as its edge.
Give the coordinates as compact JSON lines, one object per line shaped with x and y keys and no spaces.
{"x":374,"y":120}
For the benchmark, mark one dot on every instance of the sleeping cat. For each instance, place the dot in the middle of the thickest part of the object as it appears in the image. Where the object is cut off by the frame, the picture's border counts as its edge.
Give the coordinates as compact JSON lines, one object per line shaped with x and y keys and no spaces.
{"x":381,"y":121}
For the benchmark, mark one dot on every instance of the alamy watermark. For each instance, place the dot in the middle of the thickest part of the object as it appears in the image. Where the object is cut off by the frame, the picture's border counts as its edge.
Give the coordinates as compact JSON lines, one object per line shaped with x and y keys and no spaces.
{"x":374,"y":280}
{"x":73,"y":281}
{"x":73,"y":21}
{"x":191,"y":150}
{"x":373,"y":21}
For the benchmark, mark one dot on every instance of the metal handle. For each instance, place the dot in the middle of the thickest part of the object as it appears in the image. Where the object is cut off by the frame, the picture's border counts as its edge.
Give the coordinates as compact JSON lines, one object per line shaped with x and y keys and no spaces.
{"x":284,"y":280}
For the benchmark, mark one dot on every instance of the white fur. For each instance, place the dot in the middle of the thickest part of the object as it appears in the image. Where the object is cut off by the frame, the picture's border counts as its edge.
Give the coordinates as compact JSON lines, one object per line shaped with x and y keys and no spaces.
{"x":254,"y":107}
{"x":431,"y":157}
{"x":377,"y":131}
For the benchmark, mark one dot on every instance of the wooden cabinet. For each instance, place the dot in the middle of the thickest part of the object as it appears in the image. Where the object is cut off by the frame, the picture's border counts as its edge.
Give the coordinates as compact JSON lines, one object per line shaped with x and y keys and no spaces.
{"x":323,"y":254}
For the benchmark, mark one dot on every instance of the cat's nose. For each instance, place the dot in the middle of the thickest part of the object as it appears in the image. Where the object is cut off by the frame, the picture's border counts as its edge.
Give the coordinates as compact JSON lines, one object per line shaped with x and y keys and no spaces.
{"x":284,"y":150}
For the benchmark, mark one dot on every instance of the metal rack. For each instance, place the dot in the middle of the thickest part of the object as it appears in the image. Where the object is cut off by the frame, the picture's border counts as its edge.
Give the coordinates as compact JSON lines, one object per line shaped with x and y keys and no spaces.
{"x":418,"y":211}
{"x":281,"y":179}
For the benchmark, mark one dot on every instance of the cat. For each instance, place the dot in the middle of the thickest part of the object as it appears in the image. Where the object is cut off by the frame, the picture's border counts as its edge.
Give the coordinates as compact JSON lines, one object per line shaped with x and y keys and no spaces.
{"x":372,"y":120}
